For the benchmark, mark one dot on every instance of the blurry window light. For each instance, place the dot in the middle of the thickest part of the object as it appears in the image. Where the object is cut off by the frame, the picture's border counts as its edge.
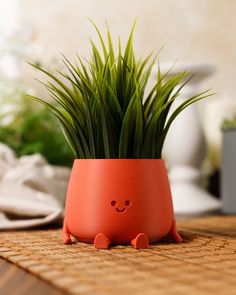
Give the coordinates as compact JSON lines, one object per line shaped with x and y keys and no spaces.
{"x":9,"y":14}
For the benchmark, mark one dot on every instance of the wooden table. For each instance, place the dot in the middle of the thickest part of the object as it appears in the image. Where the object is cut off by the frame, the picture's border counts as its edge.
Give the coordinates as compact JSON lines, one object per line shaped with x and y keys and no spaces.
{"x":204,"y":264}
{"x":14,"y":280}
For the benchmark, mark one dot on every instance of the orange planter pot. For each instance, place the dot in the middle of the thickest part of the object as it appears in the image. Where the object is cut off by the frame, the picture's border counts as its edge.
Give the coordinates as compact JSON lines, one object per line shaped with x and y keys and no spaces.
{"x":119,"y":201}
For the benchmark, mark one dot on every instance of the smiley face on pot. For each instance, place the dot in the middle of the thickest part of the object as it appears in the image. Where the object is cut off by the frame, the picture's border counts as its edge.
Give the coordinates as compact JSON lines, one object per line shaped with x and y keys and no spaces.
{"x":121,"y":207}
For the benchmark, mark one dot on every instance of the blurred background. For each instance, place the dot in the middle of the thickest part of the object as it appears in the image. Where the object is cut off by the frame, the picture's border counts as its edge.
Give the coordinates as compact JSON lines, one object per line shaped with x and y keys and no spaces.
{"x":199,"y":31}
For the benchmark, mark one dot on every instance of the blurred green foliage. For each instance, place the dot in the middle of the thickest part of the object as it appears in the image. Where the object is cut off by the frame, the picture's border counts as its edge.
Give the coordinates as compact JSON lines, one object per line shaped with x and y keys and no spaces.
{"x":229,"y":123}
{"x":28,"y":130}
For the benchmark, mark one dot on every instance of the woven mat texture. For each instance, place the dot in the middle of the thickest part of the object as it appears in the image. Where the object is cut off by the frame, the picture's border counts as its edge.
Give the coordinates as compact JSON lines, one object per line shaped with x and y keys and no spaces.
{"x":205,"y":263}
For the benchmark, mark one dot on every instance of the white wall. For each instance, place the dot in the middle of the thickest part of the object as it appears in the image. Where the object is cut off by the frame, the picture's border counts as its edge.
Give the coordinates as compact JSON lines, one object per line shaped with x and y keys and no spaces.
{"x":201,"y":30}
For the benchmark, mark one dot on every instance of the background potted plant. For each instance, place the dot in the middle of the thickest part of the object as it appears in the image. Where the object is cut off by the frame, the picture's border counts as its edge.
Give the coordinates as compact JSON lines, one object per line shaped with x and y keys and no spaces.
{"x":228,"y":172}
{"x":118,"y":191}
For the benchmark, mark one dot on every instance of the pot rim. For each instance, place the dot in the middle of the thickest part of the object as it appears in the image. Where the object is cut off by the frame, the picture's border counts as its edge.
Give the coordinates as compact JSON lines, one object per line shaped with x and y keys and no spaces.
{"x":120,"y":160}
{"x":229,"y":129}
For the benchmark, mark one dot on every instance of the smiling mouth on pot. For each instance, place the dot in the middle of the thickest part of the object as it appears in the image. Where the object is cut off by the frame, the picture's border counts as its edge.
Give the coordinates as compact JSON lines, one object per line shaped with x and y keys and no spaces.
{"x":120,"y":210}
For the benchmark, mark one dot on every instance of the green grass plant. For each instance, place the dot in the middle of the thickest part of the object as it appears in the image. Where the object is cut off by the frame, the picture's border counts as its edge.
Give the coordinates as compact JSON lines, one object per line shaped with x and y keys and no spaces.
{"x":103,"y":106}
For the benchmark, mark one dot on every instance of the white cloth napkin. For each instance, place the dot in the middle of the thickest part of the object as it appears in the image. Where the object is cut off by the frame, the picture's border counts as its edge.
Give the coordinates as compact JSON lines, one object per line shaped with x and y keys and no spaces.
{"x":32,"y":192}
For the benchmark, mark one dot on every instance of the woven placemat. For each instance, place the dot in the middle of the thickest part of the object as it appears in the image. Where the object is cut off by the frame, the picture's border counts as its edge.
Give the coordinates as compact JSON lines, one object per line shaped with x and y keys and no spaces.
{"x":205,"y":263}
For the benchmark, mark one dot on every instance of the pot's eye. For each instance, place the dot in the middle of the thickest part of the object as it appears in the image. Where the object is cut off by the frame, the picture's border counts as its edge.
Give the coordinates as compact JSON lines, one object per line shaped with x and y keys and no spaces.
{"x":127,"y":203}
{"x":113,"y":203}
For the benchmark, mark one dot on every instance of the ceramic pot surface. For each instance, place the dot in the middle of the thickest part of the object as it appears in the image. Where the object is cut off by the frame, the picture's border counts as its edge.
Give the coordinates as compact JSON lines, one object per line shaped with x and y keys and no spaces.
{"x":119,"y":198}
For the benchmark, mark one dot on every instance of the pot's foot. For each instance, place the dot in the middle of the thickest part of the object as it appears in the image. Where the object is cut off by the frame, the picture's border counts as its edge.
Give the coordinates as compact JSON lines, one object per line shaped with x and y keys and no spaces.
{"x":101,"y":241}
{"x":66,"y":233}
{"x":140,"y":242}
{"x":174,"y":233}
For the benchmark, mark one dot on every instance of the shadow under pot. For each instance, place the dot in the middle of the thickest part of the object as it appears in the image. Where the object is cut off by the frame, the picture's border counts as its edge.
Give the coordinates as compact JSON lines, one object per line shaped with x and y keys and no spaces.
{"x":119,"y":201}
